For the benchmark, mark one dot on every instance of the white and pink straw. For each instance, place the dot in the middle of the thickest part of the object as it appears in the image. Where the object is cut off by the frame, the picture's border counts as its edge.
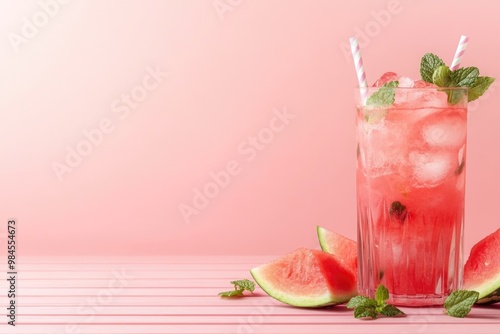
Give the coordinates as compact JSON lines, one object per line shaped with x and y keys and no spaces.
{"x":457,"y":59}
{"x":360,"y":70}
{"x":358,"y":64}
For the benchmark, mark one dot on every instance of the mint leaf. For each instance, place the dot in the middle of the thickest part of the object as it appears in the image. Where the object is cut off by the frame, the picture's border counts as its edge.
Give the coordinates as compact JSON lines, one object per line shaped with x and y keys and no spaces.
{"x":244,"y":284}
{"x":365,"y":312}
{"x":391,"y":311}
{"x":465,"y":76}
{"x":232,"y":293}
{"x":384,"y":96}
{"x":382,"y":294}
{"x":429,"y":63}
{"x":459,"y":303}
{"x":239,"y":287}
{"x":365,"y":307}
{"x":479,"y":88}
{"x":358,"y":301}
{"x":442,"y":76}
{"x":455,"y":95}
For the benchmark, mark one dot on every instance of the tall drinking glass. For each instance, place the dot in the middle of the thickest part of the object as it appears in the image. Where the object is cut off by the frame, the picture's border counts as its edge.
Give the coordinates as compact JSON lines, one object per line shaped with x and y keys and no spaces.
{"x":410,"y":183}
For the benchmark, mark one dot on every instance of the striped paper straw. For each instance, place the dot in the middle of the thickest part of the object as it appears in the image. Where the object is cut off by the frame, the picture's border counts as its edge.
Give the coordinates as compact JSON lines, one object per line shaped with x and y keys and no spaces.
{"x":459,"y":53}
{"x":358,"y":65}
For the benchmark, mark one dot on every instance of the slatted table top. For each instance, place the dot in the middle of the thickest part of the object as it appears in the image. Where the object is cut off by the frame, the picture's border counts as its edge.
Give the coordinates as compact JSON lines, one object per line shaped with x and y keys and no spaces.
{"x":143,"y":295}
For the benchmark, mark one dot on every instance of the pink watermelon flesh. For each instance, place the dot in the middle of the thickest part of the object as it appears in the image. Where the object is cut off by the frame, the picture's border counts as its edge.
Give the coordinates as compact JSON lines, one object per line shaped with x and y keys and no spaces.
{"x":307,"y":278}
{"x":482,"y":269}
{"x":343,"y":248}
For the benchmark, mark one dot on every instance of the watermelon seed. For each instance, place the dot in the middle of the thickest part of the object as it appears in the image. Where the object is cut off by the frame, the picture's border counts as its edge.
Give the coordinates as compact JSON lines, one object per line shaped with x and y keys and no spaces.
{"x":460,"y":168}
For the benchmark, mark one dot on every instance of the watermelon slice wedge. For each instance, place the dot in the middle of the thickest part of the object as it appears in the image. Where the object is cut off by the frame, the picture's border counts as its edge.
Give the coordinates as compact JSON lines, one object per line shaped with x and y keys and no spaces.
{"x":482,"y":269}
{"x":307,"y":278}
{"x":343,"y":248}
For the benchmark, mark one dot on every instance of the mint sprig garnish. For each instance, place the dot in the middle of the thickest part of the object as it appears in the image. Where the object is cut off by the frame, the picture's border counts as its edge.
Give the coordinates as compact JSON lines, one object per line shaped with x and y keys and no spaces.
{"x":459,"y":302}
{"x":442,"y":76}
{"x":433,"y":70}
{"x":480,"y":87}
{"x":465,"y":76}
{"x":384,"y":96}
{"x":239,"y":287}
{"x":429,"y":63}
{"x":365,"y":307}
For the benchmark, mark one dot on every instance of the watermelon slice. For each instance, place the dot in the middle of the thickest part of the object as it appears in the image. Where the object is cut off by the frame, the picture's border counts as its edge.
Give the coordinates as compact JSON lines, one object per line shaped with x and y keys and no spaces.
{"x":482,"y":269}
{"x":343,"y":248}
{"x":307,"y":278}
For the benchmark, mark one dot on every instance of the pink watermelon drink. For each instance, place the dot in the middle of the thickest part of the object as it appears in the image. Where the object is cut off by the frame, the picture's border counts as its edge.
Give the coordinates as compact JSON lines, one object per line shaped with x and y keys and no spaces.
{"x":411,"y":154}
{"x":411,"y":177}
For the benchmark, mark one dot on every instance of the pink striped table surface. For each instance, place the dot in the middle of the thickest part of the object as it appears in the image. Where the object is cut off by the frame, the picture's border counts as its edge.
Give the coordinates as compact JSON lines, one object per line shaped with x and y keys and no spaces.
{"x":143,"y":295}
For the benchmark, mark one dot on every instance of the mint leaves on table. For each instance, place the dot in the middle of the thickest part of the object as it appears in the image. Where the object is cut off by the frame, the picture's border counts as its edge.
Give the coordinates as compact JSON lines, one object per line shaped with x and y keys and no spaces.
{"x":239,"y":287}
{"x":384,"y":96}
{"x":459,"y":303}
{"x":365,"y":307}
{"x":433,"y":70}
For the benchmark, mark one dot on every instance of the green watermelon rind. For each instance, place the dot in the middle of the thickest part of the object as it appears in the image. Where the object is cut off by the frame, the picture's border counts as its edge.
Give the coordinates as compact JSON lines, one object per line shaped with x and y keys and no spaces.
{"x":477,"y":276}
{"x":321,"y":238}
{"x":489,"y":292}
{"x":491,"y":298}
{"x":323,"y":300}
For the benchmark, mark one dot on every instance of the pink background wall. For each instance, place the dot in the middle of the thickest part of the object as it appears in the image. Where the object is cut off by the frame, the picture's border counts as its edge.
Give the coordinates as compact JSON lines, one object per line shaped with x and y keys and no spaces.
{"x":222,"y":75}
